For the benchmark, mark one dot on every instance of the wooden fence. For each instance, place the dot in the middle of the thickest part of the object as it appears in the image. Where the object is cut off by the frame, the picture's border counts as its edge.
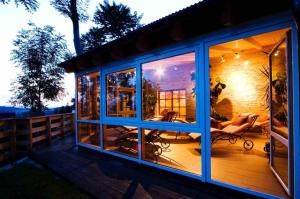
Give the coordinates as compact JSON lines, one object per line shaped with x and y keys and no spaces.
{"x":18,"y":136}
{"x":7,"y":139}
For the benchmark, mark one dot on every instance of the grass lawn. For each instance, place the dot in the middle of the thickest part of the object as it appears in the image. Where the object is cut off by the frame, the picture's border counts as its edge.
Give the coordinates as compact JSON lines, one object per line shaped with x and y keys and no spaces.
{"x":29,"y":181}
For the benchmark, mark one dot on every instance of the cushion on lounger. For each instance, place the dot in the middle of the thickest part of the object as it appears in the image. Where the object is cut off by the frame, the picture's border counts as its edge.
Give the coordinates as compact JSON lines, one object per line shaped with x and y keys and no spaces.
{"x":276,"y":122}
{"x":252,"y":118}
{"x":237,"y":121}
{"x":235,"y":129}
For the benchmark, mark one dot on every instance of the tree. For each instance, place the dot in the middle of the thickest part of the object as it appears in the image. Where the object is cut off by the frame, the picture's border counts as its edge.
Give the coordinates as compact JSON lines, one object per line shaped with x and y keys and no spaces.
{"x":95,"y":37}
{"x":37,"y":51}
{"x":30,"y":5}
{"x":76,"y":11}
{"x":116,"y":19}
{"x":112,"y":21}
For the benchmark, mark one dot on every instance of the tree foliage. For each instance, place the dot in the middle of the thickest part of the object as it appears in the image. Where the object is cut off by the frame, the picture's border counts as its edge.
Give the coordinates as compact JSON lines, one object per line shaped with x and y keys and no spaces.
{"x":111,"y":22}
{"x":37,"y":51}
{"x":116,"y":19}
{"x":65,"y":8}
{"x":30,"y":5}
{"x":76,"y":11}
{"x":93,"y":38}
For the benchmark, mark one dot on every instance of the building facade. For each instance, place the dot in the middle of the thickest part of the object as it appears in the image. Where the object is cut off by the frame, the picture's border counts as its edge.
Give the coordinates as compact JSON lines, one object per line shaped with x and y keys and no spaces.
{"x":210,"y":92}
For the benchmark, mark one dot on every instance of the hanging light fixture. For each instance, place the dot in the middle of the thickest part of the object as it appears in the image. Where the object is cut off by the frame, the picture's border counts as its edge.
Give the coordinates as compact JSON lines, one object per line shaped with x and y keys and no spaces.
{"x":222,"y":59}
{"x":237,"y":55}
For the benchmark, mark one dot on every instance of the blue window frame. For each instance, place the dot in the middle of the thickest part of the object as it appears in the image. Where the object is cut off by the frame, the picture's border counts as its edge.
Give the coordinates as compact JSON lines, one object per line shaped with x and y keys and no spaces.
{"x":200,"y":47}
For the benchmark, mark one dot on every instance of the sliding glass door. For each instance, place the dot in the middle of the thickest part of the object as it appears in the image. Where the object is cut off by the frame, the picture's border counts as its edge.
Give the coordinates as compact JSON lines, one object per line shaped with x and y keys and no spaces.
{"x":281,"y":114}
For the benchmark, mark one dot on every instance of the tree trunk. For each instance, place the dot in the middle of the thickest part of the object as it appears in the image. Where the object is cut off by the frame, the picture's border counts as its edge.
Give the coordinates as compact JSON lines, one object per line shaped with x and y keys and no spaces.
{"x":75,"y":22}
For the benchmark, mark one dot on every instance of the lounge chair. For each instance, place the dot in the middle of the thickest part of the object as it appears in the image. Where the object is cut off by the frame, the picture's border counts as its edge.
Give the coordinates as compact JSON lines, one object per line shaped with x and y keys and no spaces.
{"x":235,"y":131}
{"x":263,"y":125}
{"x":121,"y":136}
{"x":154,"y":136}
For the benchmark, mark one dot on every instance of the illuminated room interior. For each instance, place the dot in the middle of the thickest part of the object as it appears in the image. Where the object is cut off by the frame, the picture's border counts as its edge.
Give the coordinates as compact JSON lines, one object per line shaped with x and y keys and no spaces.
{"x":239,"y":70}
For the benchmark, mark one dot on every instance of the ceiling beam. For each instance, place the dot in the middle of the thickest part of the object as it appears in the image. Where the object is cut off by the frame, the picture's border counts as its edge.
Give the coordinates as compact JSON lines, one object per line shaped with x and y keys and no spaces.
{"x":222,"y":48}
{"x":253,"y":43}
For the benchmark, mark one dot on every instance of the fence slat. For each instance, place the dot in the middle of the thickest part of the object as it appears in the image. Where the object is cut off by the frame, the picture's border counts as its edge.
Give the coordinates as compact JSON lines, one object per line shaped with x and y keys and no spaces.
{"x":38,"y":129}
{"x":57,"y":124}
{"x":5,"y":134}
{"x":57,"y":132}
{"x":29,"y":135}
{"x":38,"y":139}
{"x":5,"y":145}
{"x":37,"y":120}
{"x":55,"y":117}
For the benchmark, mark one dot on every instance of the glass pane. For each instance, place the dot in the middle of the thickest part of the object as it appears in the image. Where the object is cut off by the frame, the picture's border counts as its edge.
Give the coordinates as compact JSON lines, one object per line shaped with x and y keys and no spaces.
{"x":178,"y":150}
{"x":88,"y":100}
{"x":175,"y":94}
{"x":182,"y":102}
{"x":240,"y":112}
{"x":280,"y":160}
{"x":121,"y":139}
{"x":169,"y":103}
{"x":89,"y":134}
{"x":279,"y":92}
{"x":176,"y":109}
{"x":162,"y":95}
{"x":168,"y":95}
{"x":175,"y":77}
{"x":121,"y":94}
{"x":175,"y":103}
{"x":162,"y":103}
{"x":182,"y":94}
{"x":182,"y":111}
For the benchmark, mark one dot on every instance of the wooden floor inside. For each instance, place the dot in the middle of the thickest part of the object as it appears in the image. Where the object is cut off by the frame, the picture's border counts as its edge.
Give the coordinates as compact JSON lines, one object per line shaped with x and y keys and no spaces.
{"x":230,"y":163}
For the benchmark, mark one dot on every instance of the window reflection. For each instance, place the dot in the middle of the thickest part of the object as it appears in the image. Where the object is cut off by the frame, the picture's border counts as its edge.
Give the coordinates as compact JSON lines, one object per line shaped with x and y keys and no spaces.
{"x":121,"y":139}
{"x":121,"y":93}
{"x":179,"y":150}
{"x":89,"y":134}
{"x":281,"y":160}
{"x":88,"y":93}
{"x":169,"y":85}
{"x":279,"y":92}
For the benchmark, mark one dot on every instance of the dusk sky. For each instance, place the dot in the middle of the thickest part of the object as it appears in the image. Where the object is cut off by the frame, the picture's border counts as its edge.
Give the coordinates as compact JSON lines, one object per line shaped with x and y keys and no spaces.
{"x":14,"y":19}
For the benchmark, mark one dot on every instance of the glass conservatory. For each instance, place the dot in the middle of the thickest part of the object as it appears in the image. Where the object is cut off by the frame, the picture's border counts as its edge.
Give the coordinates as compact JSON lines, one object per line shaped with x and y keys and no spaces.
{"x":222,"y":108}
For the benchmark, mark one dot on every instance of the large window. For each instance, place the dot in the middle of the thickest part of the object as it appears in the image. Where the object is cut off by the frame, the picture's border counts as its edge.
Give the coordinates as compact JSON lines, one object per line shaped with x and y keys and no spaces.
{"x":89,"y":134}
{"x":178,"y":150}
{"x":169,"y":86}
{"x":243,"y":147}
{"x":121,"y":139}
{"x":88,"y":101}
{"x":120,"y":93}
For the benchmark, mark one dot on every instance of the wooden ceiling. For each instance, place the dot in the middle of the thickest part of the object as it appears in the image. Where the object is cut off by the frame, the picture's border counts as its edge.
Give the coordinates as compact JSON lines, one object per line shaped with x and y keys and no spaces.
{"x":258,"y":43}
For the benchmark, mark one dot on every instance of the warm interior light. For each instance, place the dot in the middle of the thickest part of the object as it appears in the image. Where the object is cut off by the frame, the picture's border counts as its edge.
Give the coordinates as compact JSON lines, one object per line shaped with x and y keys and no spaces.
{"x":276,"y":53}
{"x":222,"y":59}
{"x":246,"y":63}
{"x":237,"y":55}
{"x":159,"y":72}
{"x":241,"y":86}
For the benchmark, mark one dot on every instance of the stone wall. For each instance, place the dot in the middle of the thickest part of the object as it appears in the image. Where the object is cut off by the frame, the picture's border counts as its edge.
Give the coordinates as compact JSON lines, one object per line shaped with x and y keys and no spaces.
{"x":245,"y":84}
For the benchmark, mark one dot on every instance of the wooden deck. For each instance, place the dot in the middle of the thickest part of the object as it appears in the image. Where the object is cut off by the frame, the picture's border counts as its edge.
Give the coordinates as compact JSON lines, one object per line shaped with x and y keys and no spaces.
{"x":104,"y":176}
